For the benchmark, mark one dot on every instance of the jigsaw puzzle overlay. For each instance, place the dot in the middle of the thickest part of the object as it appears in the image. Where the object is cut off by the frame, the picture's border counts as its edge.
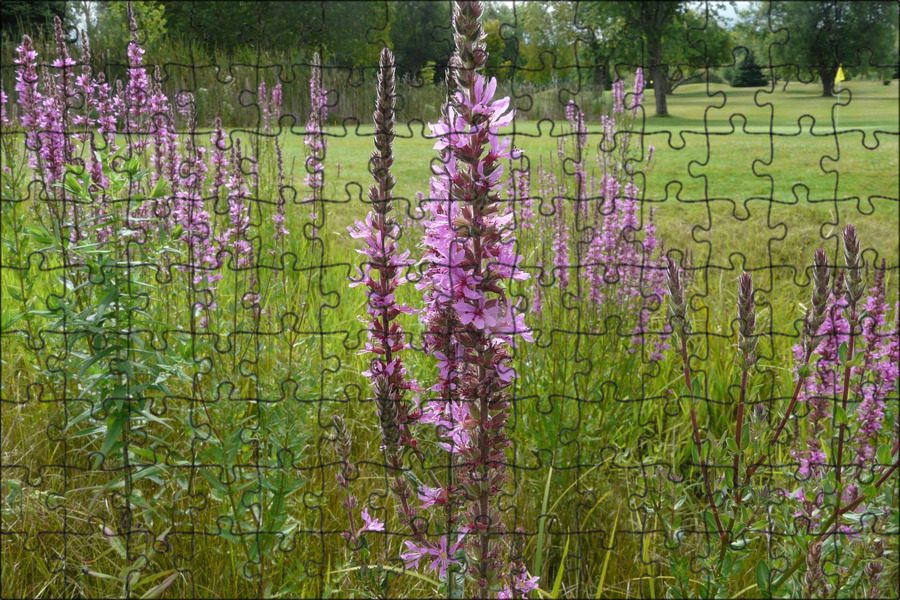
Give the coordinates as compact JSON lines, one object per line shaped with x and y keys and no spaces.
{"x":450,"y":299}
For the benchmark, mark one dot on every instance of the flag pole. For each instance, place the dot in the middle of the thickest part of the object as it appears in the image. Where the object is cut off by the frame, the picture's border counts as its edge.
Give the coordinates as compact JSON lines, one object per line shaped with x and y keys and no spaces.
{"x":839,"y":77}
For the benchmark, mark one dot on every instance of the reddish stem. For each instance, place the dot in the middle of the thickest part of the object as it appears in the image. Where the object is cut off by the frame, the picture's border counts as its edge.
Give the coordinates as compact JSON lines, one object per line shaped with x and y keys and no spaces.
{"x":787,"y":415}
{"x":703,"y":469}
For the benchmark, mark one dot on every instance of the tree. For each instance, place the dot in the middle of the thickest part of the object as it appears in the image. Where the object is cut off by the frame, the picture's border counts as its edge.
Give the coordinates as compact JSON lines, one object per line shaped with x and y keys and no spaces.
{"x":111,"y":35}
{"x":499,"y":25}
{"x":825,"y":35}
{"x":548,"y":40}
{"x":695,"y":42}
{"x":748,"y":73}
{"x":26,"y":16}
{"x":752,"y":32}
{"x":670,"y":40}
{"x":421,"y":32}
{"x":348,"y":34}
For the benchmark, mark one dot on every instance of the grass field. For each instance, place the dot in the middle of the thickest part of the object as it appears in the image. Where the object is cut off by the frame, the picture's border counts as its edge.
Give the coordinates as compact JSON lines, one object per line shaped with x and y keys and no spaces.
{"x":738,"y":164}
{"x":739,"y":184}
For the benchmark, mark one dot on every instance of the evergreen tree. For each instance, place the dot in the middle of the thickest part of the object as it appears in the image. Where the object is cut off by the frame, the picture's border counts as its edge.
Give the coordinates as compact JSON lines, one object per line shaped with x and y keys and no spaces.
{"x":748,"y":73}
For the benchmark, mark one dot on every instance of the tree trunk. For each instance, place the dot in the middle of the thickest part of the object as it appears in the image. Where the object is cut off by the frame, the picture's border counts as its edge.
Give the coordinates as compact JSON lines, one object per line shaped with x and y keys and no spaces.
{"x":659,"y":78}
{"x":659,"y":90}
{"x":827,"y":83}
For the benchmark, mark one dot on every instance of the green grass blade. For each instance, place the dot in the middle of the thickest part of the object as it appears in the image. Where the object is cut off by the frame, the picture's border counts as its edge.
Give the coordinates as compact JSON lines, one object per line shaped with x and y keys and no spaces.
{"x":606,"y":558}
{"x":562,"y":569}
{"x":541,"y":522}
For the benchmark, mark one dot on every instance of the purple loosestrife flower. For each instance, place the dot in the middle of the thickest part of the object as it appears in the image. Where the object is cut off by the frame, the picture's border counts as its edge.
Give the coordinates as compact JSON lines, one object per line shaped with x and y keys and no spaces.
{"x":52,"y":139}
{"x":64,"y":66}
{"x":315,"y":138}
{"x":561,"y":244}
{"x":370,"y":523}
{"x":618,"y":90}
{"x":638,"y":98}
{"x":236,"y":237}
{"x":879,"y":372}
{"x":651,"y":288}
{"x":610,"y":237}
{"x":829,"y":324}
{"x":137,"y":91}
{"x":276,"y":102}
{"x":30,"y":99}
{"x":813,"y":391}
{"x":469,"y":321}
{"x":107,"y":113}
{"x":87,"y":89}
{"x":348,"y":472}
{"x":279,"y":217}
{"x":160,"y":130}
{"x":190,"y":213}
{"x":4,"y":119}
{"x":537,"y":290}
{"x":382,"y":275}
{"x":523,"y":194}
{"x":263,"y":101}
{"x":219,"y":160}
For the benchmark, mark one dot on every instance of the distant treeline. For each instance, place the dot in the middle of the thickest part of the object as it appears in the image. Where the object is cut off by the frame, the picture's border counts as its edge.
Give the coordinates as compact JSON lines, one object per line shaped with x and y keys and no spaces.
{"x":548,"y":51}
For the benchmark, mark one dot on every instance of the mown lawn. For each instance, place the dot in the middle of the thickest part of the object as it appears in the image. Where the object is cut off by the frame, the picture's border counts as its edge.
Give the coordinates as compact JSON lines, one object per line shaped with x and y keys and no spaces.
{"x":734,"y":170}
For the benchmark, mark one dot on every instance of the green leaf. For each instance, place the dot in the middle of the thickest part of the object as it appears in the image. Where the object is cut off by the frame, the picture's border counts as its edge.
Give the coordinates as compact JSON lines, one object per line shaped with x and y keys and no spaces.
{"x":697,"y":385}
{"x":842,"y":352}
{"x":710,"y":519}
{"x":557,"y":584}
{"x":840,"y":415}
{"x":94,"y":359}
{"x":732,"y":445}
{"x":9,"y":319}
{"x":159,"y":589}
{"x":114,"y":430}
{"x":762,"y":577}
{"x":159,"y":190}
{"x":884,"y":454}
{"x":739,"y":543}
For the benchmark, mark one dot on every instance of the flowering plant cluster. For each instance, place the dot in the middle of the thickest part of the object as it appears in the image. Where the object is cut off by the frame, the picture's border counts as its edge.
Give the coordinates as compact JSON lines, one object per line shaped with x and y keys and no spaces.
{"x":620,"y":262}
{"x":845,"y":374}
{"x":185,"y":180}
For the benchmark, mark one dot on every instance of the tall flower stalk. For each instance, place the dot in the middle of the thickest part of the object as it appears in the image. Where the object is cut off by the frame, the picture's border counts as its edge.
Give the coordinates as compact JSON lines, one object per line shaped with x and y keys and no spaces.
{"x":678,"y":320}
{"x":382,"y":275}
{"x":470,"y":322}
{"x":315,"y":139}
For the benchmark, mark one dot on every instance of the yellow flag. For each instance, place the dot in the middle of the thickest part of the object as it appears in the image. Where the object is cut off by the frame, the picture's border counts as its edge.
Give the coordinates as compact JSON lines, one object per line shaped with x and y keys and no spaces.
{"x":840,"y":75}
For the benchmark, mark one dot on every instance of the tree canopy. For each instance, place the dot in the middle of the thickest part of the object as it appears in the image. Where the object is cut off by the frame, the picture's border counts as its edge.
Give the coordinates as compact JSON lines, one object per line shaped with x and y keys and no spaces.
{"x":671,"y":41}
{"x":17,"y":16}
{"x":821,"y":36}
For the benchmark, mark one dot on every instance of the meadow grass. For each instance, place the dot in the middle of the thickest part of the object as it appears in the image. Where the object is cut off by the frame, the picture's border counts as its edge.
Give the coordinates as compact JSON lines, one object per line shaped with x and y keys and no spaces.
{"x":591,"y":421}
